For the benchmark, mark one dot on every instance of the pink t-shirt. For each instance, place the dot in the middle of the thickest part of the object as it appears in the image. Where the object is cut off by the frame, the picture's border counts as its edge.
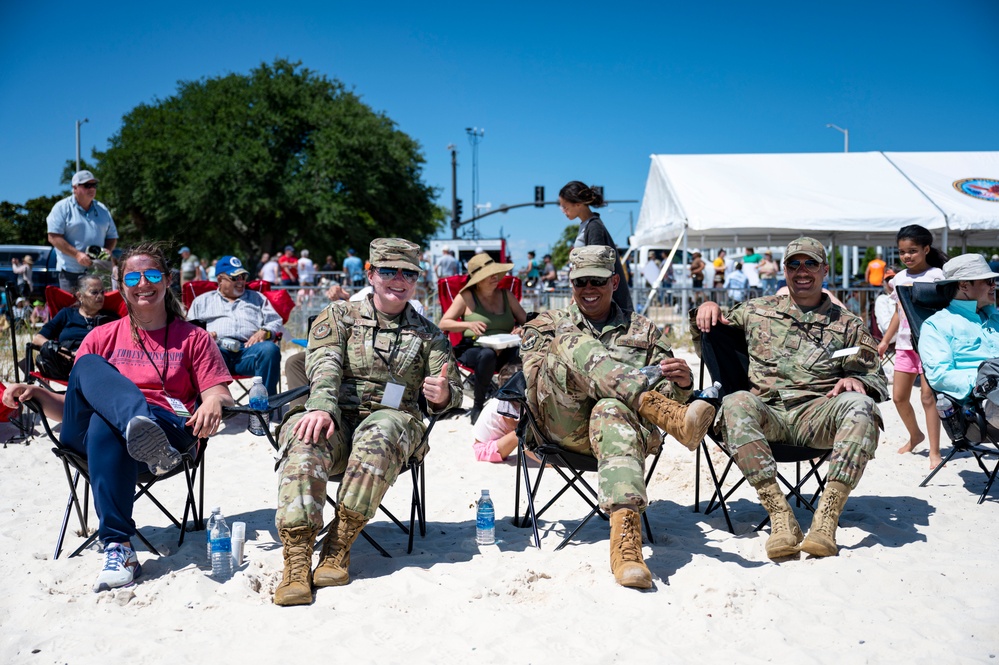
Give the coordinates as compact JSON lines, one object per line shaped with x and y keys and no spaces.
{"x":904,"y":278}
{"x":193,"y":362}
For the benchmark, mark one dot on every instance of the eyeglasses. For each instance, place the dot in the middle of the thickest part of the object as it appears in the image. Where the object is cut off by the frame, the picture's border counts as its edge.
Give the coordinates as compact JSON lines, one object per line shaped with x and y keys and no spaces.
{"x":581,"y":282}
{"x":152,"y":276}
{"x":990,"y":281}
{"x":390,"y":273}
{"x":235,"y":278}
{"x":811,"y":265}
{"x":88,"y":185}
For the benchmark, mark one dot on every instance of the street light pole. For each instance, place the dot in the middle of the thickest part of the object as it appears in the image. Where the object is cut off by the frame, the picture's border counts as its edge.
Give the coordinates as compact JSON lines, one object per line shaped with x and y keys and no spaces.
{"x":78,"y":123}
{"x":846,"y":136}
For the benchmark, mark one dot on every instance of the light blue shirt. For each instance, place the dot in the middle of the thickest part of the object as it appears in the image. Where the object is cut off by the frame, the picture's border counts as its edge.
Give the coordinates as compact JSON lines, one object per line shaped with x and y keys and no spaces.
{"x":239,"y":319}
{"x":81,"y":229}
{"x":354,"y":267}
{"x":954,"y":342}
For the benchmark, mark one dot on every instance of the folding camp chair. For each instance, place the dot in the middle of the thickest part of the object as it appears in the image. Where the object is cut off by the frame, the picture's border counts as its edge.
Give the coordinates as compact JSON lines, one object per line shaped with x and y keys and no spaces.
{"x":725,"y":354}
{"x":447,"y":290}
{"x":569,"y":465}
{"x":279,"y":299}
{"x":57,"y":299}
{"x":977,"y":437}
{"x":75,"y":466}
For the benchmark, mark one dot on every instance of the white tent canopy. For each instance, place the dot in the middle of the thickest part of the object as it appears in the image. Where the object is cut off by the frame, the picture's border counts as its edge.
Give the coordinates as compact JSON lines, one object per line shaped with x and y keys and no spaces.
{"x":841,"y":198}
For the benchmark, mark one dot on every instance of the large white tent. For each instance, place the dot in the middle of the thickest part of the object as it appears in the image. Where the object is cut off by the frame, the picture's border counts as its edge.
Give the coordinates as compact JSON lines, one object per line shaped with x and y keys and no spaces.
{"x":841,"y":198}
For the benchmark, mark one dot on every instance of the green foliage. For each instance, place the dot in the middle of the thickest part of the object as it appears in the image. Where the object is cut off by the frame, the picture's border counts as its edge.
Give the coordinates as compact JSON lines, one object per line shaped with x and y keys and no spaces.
{"x":562,"y":247}
{"x":24,"y":224}
{"x":250,"y":163}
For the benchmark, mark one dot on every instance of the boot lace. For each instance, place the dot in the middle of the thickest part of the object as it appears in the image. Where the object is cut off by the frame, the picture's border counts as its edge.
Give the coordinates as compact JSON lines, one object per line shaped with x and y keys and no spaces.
{"x":630,"y":543}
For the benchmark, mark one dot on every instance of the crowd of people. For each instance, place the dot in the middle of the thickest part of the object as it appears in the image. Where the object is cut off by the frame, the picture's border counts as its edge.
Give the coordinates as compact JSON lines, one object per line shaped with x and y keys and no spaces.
{"x":145,"y":387}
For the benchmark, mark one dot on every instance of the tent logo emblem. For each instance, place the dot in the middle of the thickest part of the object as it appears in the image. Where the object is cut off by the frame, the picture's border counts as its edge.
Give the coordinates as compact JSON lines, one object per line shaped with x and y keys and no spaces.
{"x":985,"y":189}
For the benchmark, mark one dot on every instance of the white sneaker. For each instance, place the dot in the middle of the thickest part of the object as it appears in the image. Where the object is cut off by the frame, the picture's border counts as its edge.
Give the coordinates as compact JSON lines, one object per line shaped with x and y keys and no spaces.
{"x":147,"y":442}
{"x":121,"y":567}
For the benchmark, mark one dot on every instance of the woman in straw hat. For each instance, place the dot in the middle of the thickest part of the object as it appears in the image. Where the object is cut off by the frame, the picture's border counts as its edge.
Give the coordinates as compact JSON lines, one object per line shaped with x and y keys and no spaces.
{"x":482,"y":308}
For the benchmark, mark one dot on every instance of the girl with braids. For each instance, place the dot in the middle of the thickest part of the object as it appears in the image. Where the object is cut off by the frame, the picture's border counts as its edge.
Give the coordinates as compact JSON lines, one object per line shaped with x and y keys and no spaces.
{"x":923,"y":263}
{"x":576,"y":199}
{"x":142,"y":388}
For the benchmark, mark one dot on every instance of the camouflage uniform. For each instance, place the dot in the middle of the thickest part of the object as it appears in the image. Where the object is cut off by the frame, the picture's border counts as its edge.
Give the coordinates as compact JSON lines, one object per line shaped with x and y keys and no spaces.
{"x":791,"y":368}
{"x":353,"y":352}
{"x":583,"y":385}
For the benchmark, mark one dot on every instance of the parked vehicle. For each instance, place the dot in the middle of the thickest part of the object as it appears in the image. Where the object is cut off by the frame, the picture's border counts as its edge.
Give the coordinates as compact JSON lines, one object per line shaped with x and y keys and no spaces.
{"x":43,"y":272}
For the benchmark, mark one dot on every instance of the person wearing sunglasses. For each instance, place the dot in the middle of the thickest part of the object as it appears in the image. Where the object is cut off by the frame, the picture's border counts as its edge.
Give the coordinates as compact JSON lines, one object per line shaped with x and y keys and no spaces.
{"x":143,"y":389}
{"x":243,"y":322}
{"x":583,"y":382}
{"x":76,"y":223}
{"x":482,"y":308}
{"x":369,"y":363}
{"x":957,"y":340}
{"x":816,"y":380}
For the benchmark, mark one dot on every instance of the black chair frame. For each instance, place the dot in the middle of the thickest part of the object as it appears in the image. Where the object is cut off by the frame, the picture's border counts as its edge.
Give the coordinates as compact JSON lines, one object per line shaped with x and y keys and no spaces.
{"x":725,"y":355}
{"x":920,"y":301}
{"x":75,"y":466}
{"x":569,"y":465}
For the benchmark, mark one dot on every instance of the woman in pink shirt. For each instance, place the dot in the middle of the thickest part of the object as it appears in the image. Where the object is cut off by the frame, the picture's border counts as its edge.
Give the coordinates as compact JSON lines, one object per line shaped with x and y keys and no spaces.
{"x":142,"y":389}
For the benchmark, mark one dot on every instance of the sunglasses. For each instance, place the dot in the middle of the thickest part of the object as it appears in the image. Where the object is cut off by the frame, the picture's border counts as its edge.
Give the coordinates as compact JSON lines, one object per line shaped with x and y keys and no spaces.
{"x":390,"y":273}
{"x":990,"y":281}
{"x":152,"y":276}
{"x":581,"y":282}
{"x":88,"y":185}
{"x":811,"y":265}
{"x":237,"y":278}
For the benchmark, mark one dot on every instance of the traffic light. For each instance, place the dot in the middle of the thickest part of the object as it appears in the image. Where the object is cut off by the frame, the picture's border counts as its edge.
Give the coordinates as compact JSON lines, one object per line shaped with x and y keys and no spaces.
{"x":457,"y":209}
{"x":539,"y":197}
{"x":599,"y":189}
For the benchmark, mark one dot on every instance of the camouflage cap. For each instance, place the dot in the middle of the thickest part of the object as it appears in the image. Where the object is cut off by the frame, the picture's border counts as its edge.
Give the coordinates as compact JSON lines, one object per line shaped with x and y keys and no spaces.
{"x":394,"y":253}
{"x":807,"y":246}
{"x":592,"y":261}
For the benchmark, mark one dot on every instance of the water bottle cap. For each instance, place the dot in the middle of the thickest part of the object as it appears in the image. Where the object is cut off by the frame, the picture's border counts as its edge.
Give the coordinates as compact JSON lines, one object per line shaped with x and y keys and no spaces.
{"x":216,"y":509}
{"x":485,"y":492}
{"x":258,"y":379}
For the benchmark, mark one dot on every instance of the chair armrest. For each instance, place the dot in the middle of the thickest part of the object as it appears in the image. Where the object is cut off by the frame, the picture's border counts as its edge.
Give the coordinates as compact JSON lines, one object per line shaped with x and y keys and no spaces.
{"x":273,"y":402}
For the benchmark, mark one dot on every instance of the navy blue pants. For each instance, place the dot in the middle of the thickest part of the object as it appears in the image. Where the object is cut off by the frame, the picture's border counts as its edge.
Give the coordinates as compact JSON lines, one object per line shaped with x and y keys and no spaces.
{"x":99,"y":404}
{"x":263,"y":359}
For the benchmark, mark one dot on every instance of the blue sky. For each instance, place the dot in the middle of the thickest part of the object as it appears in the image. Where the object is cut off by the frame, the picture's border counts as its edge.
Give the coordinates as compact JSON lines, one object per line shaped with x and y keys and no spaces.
{"x":564,"y":91}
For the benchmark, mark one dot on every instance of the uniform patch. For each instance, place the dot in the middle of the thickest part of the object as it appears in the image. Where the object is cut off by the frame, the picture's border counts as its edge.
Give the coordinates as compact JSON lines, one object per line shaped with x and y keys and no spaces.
{"x":530,"y":340}
{"x":322,"y":330}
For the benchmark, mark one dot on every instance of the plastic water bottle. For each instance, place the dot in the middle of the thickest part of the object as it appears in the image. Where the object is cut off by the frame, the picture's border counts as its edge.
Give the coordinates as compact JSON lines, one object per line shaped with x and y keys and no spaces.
{"x":485,"y":520}
{"x":221,"y":550}
{"x":950,"y":417}
{"x":258,"y":401}
{"x":711,"y":392}
{"x":208,"y":532}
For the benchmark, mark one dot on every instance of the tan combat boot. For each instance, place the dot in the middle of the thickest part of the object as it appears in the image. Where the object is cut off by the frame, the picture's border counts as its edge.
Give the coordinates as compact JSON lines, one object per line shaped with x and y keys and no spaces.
{"x":627,"y":563}
{"x":785,"y":534}
{"x":335,"y":557}
{"x":687,"y":423}
{"x":821,"y":538}
{"x":296,"y":584}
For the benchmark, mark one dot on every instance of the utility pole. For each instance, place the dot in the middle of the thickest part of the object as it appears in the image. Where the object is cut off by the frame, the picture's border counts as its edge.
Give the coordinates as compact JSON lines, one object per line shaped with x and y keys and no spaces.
{"x":455,"y":216}
{"x":78,"y":123}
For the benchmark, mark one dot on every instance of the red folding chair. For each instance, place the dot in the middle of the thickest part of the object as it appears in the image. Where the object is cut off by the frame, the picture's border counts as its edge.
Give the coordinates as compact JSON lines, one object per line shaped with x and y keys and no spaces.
{"x":447,"y":291}
{"x":279,"y":299}
{"x":57,"y":299}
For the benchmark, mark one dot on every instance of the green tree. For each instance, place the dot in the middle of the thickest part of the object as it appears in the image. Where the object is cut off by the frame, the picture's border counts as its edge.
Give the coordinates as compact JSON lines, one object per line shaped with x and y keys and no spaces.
{"x":24,"y":224}
{"x":249,"y":163}
{"x":562,"y":247}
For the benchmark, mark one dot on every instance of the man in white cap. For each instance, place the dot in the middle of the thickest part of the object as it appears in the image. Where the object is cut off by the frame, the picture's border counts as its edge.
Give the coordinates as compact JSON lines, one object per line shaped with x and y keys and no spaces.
{"x":77,"y":224}
{"x":956,"y":340}
{"x":447,"y":265}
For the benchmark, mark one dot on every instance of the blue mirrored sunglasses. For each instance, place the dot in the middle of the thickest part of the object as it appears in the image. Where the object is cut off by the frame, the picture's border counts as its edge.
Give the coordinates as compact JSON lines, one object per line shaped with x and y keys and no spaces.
{"x":152,"y":276}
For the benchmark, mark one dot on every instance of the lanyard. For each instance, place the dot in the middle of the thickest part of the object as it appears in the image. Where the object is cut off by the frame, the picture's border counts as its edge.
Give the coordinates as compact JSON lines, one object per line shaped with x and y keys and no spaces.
{"x":166,"y":360}
{"x":393,"y":352}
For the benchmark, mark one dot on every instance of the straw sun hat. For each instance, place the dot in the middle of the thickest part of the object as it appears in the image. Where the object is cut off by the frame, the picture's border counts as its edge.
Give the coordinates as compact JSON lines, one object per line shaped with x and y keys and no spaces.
{"x":481,"y":266}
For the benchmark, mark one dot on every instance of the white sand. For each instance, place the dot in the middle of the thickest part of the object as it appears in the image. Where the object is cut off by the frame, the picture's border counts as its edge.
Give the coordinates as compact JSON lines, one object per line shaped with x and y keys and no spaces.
{"x":915,"y":580}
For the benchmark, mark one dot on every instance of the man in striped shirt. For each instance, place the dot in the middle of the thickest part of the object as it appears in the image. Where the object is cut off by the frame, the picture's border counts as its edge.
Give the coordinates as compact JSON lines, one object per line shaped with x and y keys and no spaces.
{"x":244,"y":324}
